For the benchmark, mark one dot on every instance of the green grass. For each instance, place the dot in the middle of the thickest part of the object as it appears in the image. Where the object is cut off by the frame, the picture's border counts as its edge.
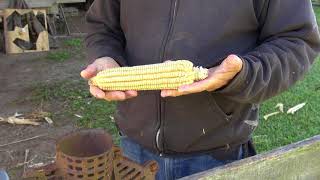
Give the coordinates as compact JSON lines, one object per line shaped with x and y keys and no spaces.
{"x":277,"y":131}
{"x":317,"y":12}
{"x":76,"y":43}
{"x":59,"y":56}
{"x":284,"y":129}
{"x":71,"y":47}
{"x":94,"y":113}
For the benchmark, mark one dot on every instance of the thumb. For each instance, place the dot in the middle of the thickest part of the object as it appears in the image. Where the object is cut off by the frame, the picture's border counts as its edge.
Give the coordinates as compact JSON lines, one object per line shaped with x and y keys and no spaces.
{"x":89,"y":72}
{"x":232,"y":63}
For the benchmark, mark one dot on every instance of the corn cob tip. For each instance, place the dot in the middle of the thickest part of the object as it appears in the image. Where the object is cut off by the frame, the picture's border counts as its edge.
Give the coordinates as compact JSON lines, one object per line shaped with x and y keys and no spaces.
{"x":200,"y":73}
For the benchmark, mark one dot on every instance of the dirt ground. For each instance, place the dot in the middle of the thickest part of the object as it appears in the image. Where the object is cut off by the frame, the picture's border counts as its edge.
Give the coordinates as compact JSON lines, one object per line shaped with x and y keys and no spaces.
{"x":19,"y":75}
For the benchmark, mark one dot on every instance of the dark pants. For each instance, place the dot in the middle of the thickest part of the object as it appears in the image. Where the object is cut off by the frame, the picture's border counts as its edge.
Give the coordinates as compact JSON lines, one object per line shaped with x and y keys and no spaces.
{"x":178,"y":167}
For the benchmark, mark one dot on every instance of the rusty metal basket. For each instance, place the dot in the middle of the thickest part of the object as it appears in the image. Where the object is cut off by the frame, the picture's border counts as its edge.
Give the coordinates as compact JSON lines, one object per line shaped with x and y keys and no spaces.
{"x":90,"y":155}
{"x":125,"y":169}
{"x":86,"y":155}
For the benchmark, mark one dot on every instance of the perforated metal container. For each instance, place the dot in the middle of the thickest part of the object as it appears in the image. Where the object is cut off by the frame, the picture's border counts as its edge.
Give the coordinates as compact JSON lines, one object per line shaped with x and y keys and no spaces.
{"x":86,"y":155}
{"x":125,"y":169}
{"x":90,"y":155}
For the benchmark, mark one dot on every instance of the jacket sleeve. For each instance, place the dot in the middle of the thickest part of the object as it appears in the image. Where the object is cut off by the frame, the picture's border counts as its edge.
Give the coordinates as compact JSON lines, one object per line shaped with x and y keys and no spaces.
{"x":288,"y":44}
{"x":105,"y":37}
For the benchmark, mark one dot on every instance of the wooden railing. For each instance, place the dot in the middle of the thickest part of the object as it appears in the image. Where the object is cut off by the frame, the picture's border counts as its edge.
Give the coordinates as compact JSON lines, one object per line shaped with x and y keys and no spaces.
{"x":296,"y":161}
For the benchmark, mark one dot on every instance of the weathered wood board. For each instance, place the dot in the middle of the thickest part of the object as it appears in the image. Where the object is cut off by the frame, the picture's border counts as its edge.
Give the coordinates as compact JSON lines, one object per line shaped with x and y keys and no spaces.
{"x":297,"y":161}
{"x":39,"y":3}
{"x":42,"y":43}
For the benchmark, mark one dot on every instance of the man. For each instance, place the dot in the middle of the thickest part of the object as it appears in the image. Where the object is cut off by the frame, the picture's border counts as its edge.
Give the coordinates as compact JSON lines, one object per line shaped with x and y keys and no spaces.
{"x":255,"y":49}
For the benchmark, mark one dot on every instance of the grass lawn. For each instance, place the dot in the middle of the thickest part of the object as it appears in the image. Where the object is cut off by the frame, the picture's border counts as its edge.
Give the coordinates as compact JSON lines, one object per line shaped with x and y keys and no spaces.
{"x":277,"y":131}
{"x":285,"y":129}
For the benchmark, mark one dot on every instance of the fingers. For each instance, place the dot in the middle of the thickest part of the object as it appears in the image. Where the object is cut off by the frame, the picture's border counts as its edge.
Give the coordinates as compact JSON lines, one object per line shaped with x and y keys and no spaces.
{"x":112,"y":95}
{"x":131,"y":94}
{"x":183,"y":90}
{"x":89,"y":72}
{"x":96,"y":92}
{"x":98,"y":65}
{"x":120,"y":95}
{"x":170,"y":93}
{"x":115,"y":96}
{"x":195,"y":87}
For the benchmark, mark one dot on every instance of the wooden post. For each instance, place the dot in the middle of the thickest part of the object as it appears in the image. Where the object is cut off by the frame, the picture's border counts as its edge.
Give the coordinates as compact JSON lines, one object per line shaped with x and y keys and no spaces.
{"x":297,"y":161}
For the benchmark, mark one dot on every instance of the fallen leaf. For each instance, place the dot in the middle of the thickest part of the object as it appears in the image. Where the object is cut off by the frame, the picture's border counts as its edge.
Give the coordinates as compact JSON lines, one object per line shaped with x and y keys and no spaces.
{"x":77,"y":115}
{"x":2,"y":119}
{"x":17,"y":119}
{"x":17,"y":114}
{"x":266,"y":117}
{"x":21,"y":121}
{"x":280,"y":106}
{"x":36,"y":165}
{"x":49,"y":120}
{"x":29,"y":119}
{"x":296,"y":108}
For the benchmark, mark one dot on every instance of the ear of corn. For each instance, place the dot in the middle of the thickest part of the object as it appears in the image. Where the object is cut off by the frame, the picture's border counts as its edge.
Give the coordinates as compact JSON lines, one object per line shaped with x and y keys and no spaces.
{"x":167,"y":75}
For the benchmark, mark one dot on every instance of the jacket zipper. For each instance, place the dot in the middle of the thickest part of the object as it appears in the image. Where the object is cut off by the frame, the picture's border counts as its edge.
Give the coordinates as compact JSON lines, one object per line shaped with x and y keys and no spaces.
{"x":162,"y":54}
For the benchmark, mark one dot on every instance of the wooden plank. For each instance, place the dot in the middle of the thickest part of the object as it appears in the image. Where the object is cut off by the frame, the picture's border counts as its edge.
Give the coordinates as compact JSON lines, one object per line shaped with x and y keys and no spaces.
{"x":297,"y":161}
{"x":40,"y":3}
{"x":31,"y":3}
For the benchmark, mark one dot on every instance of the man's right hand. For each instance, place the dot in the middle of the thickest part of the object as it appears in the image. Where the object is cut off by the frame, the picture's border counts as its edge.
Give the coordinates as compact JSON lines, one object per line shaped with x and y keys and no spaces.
{"x":100,"y":65}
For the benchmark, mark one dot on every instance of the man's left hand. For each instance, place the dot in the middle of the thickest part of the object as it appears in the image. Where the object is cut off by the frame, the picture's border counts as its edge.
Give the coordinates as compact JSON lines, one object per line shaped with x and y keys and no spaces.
{"x":219,"y":77}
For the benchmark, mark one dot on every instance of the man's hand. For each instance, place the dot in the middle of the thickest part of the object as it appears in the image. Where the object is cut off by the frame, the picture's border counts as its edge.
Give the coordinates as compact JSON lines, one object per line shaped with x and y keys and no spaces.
{"x":97,"y":66}
{"x":218,"y":77}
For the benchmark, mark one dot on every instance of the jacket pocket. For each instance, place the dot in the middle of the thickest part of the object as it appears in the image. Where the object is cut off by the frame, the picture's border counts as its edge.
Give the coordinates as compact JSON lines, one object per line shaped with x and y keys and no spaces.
{"x":192,"y":123}
{"x":137,"y":118}
{"x":224,"y":106}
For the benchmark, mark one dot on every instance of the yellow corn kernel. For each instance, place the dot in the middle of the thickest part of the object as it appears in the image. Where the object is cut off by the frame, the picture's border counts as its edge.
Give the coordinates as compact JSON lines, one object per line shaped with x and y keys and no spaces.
{"x":167,"y":75}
